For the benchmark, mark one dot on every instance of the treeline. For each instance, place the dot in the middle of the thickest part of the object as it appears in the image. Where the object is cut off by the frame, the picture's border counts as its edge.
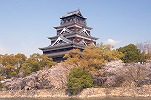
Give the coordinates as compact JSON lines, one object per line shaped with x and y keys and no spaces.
{"x":20,"y":66}
{"x":89,"y":62}
{"x":94,"y":57}
{"x":87,"y":65}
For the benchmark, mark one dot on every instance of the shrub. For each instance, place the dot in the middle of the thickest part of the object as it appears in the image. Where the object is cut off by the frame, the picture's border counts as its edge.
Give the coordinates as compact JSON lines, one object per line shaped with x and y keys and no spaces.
{"x":78,"y":79}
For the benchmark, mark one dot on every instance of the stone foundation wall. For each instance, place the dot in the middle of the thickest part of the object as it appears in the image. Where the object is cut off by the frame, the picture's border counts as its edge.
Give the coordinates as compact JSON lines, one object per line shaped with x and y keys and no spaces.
{"x":32,"y":93}
{"x":144,"y":91}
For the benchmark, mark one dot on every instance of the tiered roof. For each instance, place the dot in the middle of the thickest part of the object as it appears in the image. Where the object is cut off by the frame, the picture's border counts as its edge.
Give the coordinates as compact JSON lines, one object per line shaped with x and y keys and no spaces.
{"x":77,"y":13}
{"x":72,"y":33}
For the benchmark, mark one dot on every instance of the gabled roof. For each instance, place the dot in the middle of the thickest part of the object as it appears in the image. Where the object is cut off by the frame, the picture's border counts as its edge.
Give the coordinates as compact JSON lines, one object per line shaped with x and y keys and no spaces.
{"x":77,"y":12}
{"x":83,"y":42}
{"x":61,"y":38}
{"x":65,"y":30}
{"x":74,"y":34}
{"x":83,"y":30}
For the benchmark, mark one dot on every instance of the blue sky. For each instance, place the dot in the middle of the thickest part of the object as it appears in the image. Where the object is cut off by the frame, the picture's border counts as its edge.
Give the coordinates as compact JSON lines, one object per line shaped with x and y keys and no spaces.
{"x":26,"y":24}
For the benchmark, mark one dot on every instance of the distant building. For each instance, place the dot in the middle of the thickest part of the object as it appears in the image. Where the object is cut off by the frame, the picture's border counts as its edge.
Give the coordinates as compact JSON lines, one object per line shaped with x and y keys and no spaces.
{"x":72,"y":33}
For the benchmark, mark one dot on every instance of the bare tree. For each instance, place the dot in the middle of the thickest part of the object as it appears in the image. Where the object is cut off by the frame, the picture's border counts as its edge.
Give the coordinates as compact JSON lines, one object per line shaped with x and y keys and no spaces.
{"x":145,"y":47}
{"x":133,"y":73}
{"x":148,"y":47}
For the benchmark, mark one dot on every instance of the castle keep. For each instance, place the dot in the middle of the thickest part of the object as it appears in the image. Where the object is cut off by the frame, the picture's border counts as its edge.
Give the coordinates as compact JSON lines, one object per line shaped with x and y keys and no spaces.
{"x":72,"y":33}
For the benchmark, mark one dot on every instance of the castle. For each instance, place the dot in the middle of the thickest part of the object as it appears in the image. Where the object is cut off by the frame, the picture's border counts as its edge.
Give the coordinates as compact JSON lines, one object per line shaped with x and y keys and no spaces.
{"x":72,"y":33}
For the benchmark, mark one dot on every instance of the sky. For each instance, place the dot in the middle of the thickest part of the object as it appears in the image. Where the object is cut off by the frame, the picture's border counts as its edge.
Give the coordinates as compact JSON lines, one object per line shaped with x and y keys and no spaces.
{"x":26,"y":24}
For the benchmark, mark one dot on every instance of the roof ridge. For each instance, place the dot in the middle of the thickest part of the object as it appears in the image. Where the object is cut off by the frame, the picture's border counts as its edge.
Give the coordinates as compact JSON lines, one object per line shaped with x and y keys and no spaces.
{"x":78,"y":11}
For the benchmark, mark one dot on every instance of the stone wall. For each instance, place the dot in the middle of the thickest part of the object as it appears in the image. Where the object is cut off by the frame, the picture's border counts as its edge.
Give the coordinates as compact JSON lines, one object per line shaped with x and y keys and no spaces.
{"x":144,"y":91}
{"x":32,"y":93}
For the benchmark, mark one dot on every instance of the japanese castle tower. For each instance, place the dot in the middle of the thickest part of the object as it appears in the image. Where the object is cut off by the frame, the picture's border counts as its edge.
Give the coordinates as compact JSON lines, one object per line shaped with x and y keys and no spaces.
{"x":72,"y":33}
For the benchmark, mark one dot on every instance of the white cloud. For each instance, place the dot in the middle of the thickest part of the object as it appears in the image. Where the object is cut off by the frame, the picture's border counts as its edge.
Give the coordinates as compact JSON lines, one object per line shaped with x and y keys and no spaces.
{"x":112,"y":42}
